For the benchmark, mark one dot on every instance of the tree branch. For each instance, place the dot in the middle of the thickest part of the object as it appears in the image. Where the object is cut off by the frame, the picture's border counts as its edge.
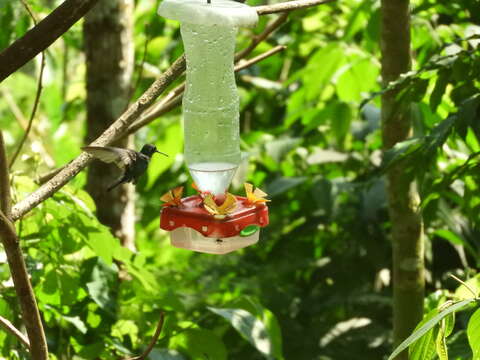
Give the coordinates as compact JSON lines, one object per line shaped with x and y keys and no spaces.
{"x":42,"y":36}
{"x":247,"y":63}
{"x":120,"y":127}
{"x":18,"y":269}
{"x":289,"y":6}
{"x":257,"y":39}
{"x":8,"y":326}
{"x":37,"y":95}
{"x":113,"y":132}
{"x":153,"y":341}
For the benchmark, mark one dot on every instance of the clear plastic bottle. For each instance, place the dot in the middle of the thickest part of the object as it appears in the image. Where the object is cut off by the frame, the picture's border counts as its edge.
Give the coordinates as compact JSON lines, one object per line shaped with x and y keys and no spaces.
{"x":211,"y":106}
{"x":210,"y":102}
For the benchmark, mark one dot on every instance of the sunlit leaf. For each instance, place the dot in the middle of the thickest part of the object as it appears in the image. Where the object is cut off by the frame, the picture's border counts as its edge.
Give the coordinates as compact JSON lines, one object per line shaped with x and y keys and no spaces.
{"x":283,"y":184}
{"x":424,"y":347}
{"x":200,"y":344}
{"x":439,"y":89}
{"x":473,"y":332}
{"x":428,"y":325}
{"x":248,"y":326}
{"x":101,"y":285}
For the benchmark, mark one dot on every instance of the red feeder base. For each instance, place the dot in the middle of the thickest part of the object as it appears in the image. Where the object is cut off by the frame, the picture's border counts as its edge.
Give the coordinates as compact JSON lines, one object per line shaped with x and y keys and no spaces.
{"x":194,"y":228}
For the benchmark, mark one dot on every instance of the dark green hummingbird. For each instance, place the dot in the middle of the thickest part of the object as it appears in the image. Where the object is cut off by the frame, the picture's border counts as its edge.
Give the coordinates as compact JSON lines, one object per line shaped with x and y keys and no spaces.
{"x":133,"y":163}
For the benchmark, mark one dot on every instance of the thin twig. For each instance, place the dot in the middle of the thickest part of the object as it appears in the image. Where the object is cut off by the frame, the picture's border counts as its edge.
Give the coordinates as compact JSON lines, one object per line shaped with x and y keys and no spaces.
{"x":120,"y":127}
{"x":153,"y":341}
{"x":37,"y":95}
{"x":8,"y":326}
{"x":289,"y":6}
{"x":464,"y":284}
{"x":14,"y":108}
{"x":257,"y":39}
{"x":25,"y":5}
{"x":157,"y":112}
{"x":247,"y":63}
{"x":175,"y":96}
{"x":5,"y":195}
{"x":142,"y":64}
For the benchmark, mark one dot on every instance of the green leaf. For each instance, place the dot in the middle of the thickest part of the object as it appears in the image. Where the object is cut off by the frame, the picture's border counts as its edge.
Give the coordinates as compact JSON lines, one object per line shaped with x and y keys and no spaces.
{"x":341,"y":121}
{"x":424,"y":347}
{"x":467,"y":115}
{"x":450,"y":236}
{"x":165,"y":354}
{"x":463,"y":293}
{"x":283,"y":184}
{"x":101,"y":285}
{"x":252,"y":329}
{"x":171,"y":143}
{"x":200,"y":344}
{"x":428,"y":325}
{"x":359,"y":79}
{"x":253,"y":305}
{"x":473,"y":333}
{"x":400,"y":151}
{"x":124,"y":328}
{"x":445,"y":328}
{"x":102,"y":242}
{"x":278,"y":148}
{"x":77,"y":322}
{"x":439,"y":89}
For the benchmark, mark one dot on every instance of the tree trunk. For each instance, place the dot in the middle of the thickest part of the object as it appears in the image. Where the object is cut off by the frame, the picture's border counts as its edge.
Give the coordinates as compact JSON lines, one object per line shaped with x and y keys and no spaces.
{"x":110,"y":57}
{"x":403,"y":199}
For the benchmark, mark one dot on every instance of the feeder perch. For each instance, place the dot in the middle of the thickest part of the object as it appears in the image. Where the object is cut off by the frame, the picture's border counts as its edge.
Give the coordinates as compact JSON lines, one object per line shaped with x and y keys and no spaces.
{"x":213,"y":221}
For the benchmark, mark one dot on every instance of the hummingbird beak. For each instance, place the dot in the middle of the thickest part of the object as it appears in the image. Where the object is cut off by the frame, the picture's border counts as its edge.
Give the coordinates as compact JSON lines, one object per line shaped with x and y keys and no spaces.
{"x":161,"y":153}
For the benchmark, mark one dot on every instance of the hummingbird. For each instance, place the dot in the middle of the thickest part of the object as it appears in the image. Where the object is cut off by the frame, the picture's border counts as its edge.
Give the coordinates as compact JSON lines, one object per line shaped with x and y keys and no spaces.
{"x":133,"y":163}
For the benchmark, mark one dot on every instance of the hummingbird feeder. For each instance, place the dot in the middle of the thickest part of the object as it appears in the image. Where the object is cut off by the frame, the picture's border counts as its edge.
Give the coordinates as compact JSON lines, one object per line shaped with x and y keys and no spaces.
{"x":214,"y":221}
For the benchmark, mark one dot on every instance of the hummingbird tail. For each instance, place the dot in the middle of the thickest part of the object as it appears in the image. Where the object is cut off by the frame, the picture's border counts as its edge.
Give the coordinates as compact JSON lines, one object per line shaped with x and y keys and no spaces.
{"x":115,"y":184}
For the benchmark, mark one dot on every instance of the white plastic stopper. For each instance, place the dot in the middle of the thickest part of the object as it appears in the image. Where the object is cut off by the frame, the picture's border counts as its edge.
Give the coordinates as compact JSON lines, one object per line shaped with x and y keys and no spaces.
{"x":217,"y":12}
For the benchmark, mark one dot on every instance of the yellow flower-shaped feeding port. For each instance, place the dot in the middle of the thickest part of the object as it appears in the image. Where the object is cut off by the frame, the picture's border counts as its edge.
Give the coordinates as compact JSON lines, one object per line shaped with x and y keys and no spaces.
{"x":254,"y":196}
{"x":220,"y":212}
{"x":173,"y":197}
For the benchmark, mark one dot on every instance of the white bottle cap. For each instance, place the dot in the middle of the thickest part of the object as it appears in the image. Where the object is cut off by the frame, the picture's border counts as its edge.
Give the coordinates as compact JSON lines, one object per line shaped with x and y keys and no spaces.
{"x":217,"y":12}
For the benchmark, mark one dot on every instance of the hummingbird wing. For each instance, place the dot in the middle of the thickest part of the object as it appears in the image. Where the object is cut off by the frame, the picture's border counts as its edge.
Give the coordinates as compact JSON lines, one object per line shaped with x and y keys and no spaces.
{"x":123,"y":158}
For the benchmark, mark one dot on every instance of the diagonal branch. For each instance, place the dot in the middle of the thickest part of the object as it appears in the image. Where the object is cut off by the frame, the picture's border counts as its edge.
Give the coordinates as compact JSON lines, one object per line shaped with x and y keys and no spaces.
{"x":8,"y":327}
{"x":113,"y":132}
{"x":42,"y":36}
{"x":120,"y":127}
{"x":289,"y":6}
{"x":247,"y":63}
{"x":257,"y":39}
